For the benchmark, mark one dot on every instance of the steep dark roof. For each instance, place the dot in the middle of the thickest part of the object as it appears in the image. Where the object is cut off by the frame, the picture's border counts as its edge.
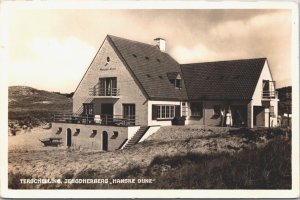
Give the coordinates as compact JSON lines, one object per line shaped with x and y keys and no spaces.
{"x":235,"y":79}
{"x":150,"y":67}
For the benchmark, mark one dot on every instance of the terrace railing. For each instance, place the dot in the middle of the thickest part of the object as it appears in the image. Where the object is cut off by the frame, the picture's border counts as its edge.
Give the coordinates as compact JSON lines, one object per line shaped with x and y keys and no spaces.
{"x":113,"y":120}
{"x":269,"y":94}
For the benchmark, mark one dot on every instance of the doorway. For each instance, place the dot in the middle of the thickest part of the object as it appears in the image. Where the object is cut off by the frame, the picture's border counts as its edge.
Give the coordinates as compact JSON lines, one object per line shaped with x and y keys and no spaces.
{"x":259,"y":116}
{"x":239,"y":115}
{"x":107,"y":112}
{"x":69,"y":137}
{"x":104,"y":141}
{"x":129,"y":113}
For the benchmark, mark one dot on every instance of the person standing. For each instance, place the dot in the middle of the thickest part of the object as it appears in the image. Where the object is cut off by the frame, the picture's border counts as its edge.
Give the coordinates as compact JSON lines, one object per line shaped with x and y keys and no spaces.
{"x":228,"y":118}
{"x":222,"y":117}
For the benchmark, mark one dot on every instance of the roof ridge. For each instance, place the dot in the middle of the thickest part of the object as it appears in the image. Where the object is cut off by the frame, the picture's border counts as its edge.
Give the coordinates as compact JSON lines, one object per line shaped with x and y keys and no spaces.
{"x":220,"y":61}
{"x":130,"y":40}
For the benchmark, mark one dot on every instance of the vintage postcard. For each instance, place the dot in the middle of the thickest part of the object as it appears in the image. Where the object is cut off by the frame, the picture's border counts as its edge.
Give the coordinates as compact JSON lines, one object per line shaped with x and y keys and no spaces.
{"x":150,"y":99}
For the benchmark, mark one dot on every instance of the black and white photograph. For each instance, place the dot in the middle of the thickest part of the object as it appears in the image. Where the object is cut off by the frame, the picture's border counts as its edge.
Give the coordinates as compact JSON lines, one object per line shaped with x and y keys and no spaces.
{"x":151,"y":97}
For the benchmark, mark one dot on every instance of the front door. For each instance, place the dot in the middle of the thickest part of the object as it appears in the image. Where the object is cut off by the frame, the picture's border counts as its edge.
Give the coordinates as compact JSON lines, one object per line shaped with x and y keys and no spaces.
{"x":129,"y":113}
{"x":107,"y":112}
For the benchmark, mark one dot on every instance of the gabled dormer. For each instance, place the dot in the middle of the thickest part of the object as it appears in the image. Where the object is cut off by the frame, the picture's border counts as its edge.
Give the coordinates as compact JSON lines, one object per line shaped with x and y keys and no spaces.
{"x":175,"y":79}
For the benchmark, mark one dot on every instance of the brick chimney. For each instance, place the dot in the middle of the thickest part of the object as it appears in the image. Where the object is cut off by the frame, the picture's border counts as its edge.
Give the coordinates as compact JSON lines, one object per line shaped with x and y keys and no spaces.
{"x":161,"y":44}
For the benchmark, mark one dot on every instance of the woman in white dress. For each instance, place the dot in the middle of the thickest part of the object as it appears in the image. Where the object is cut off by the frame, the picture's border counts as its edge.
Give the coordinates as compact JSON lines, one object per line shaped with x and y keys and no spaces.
{"x":228,"y":118}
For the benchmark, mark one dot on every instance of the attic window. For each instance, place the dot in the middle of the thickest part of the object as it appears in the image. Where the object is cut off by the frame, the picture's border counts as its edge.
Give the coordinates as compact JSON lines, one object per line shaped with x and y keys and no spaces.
{"x":175,"y":79}
{"x":158,"y":60}
{"x":108,"y":59}
{"x":160,"y":77}
{"x":146,"y":57}
{"x":134,"y":55}
{"x":148,"y":75}
{"x":176,"y":83}
{"x":236,"y":77}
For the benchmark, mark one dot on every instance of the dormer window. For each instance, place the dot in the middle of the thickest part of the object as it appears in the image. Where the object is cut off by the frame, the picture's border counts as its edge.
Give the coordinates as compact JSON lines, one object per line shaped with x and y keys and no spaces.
{"x":175,"y":79}
{"x":176,"y":83}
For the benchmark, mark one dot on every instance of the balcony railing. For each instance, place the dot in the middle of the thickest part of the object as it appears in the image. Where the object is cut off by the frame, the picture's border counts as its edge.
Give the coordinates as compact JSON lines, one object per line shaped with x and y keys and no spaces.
{"x":113,"y":120}
{"x":269,"y":94}
{"x":97,"y":90}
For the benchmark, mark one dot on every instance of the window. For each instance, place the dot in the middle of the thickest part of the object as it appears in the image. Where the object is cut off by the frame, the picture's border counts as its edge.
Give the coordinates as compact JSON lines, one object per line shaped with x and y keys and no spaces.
{"x":217,"y":110}
{"x":184,"y":109}
{"x":176,"y":83}
{"x":272,"y":114}
{"x":160,"y":77}
{"x":115,"y":135}
{"x":107,"y":87}
{"x":87,"y":109}
{"x":196,"y":109}
{"x":158,"y":60}
{"x":59,"y":130}
{"x":94,"y":133}
{"x":146,"y":57}
{"x":175,"y":79}
{"x":134,"y":55}
{"x":76,"y":132}
{"x":108,"y":59}
{"x":163,"y":111}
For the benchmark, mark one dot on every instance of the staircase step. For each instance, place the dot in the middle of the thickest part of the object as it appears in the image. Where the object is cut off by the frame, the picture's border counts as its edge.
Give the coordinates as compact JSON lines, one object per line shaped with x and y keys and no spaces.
{"x":137,"y":136}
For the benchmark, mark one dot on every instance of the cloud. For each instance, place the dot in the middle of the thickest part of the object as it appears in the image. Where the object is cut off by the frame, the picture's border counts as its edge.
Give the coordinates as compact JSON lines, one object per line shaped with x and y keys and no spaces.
{"x":192,"y":55}
{"x":65,"y":41}
{"x":262,"y":35}
{"x":56,"y":64}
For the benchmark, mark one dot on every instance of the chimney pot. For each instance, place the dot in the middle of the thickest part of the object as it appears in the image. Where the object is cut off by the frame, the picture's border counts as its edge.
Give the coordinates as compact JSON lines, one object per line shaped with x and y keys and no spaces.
{"x":161,"y":44}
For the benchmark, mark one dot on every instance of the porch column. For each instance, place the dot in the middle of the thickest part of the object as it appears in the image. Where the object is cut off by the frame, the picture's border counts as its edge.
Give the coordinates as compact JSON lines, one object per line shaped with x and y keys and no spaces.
{"x":250,"y":115}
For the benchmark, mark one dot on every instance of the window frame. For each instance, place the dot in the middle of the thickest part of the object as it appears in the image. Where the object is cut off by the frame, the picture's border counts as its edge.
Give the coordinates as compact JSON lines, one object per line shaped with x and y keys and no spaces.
{"x":88,"y":109}
{"x":165,"y":112}
{"x":272,"y":111}
{"x":193,"y":111}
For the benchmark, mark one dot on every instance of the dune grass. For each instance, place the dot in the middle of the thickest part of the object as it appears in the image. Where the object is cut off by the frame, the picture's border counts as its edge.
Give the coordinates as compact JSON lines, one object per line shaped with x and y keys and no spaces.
{"x":266,"y":168}
{"x":257,"y":168}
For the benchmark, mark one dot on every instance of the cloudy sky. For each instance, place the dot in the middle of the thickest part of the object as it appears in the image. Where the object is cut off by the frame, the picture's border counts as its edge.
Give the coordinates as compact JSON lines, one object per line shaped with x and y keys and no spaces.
{"x":51,"y":49}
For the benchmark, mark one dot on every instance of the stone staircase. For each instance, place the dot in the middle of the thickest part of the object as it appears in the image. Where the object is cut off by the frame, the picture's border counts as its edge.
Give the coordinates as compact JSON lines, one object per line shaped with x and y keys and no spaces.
{"x":137,"y":136}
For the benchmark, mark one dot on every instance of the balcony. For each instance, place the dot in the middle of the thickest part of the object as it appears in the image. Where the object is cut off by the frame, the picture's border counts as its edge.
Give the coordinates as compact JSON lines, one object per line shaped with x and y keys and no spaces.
{"x":102,"y":92}
{"x":106,"y":120}
{"x":269,"y":95}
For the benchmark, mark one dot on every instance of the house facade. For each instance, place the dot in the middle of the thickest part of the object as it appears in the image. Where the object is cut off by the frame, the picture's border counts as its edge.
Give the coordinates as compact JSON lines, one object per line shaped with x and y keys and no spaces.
{"x":132,"y":88}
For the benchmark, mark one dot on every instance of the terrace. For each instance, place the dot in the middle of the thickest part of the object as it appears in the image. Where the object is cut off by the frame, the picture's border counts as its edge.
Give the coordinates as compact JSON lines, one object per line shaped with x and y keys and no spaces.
{"x":106,"y":120}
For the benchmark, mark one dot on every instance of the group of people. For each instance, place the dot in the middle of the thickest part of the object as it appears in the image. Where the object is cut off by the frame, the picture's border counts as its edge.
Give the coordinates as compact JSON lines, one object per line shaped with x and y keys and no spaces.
{"x":227,"y":118}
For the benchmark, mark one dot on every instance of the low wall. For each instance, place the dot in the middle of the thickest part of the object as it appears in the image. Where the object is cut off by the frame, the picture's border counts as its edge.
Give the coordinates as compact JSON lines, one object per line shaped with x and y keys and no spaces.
{"x":86,"y":139}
